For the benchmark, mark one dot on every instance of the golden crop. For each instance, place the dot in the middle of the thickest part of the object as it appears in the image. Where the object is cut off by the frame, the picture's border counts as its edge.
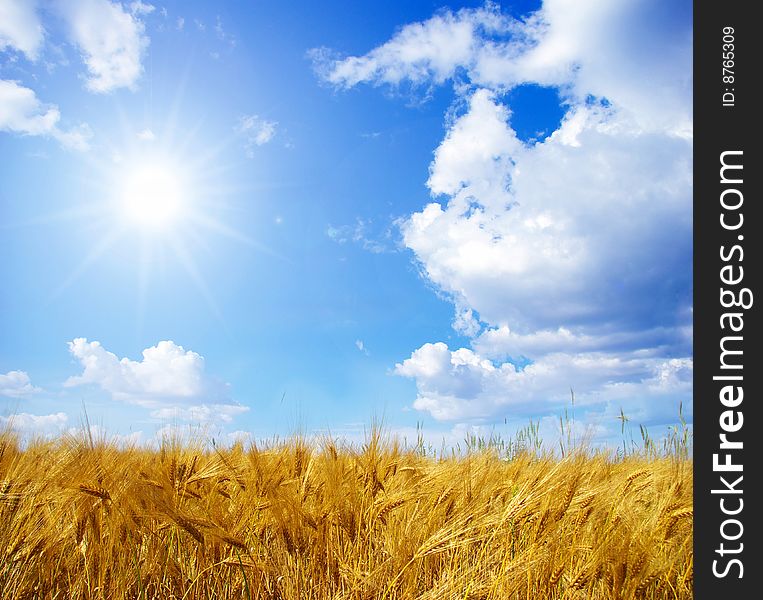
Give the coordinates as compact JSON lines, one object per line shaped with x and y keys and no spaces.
{"x":83,"y":519}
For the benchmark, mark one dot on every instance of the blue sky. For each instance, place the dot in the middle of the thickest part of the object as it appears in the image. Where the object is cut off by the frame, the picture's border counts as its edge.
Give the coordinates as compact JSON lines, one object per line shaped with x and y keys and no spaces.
{"x":262,"y":218}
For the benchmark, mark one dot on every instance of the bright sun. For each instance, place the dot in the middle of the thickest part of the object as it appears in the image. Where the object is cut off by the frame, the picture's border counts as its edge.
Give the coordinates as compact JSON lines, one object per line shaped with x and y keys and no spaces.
{"x":152,"y":196}
{"x":160,"y":201}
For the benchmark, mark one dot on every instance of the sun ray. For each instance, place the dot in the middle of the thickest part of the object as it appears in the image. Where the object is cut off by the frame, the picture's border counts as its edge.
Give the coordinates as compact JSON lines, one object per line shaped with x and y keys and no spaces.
{"x":83,"y":212}
{"x":173,"y":113}
{"x":100,"y":247}
{"x":164,"y":198}
{"x":233,"y":234}
{"x":144,"y":279}
{"x":186,"y":260}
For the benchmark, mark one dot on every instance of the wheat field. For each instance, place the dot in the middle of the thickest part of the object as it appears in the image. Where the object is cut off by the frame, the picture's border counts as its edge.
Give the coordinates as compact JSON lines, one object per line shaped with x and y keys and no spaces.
{"x":295,"y":520}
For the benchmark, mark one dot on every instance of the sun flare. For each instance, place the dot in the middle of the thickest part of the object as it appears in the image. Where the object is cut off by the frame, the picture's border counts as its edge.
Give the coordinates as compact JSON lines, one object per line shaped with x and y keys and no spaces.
{"x":152,"y":195}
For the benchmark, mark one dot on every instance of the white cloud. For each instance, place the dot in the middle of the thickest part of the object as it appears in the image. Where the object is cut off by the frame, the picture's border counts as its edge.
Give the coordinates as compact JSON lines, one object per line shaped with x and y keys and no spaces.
{"x":128,"y":439}
{"x":477,"y":155}
{"x":22,"y":112}
{"x":167,"y":375}
{"x":190,"y":434}
{"x":141,"y":8}
{"x":35,"y":424}
{"x":559,"y":235}
{"x":360,"y":233}
{"x":223,"y":35}
{"x":419,"y":52}
{"x":575,"y":252}
{"x":579,"y":244}
{"x":609,"y":50}
{"x":256,"y":131}
{"x":360,"y":345}
{"x":146,"y":135}
{"x":77,"y":138}
{"x":461,"y":384}
{"x":169,"y":380}
{"x":502,"y":342}
{"x":20,"y":27}
{"x":100,"y":433}
{"x":16,"y":384}
{"x":239,"y":437}
{"x":465,"y":322}
{"x":586,"y":47}
{"x":112,"y":42}
{"x":180,"y":23}
{"x":202,"y":413}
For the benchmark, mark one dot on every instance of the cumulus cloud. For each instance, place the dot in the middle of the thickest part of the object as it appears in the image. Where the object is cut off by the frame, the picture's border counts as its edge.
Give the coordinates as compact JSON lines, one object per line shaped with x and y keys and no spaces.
{"x":94,"y":431}
{"x":165,"y":371}
{"x":461,"y":384}
{"x":16,"y":384}
{"x":562,"y":44}
{"x":420,"y":52}
{"x":584,"y":246}
{"x":20,"y":27}
{"x":23,"y":113}
{"x":141,"y":8}
{"x":501,"y":342}
{"x":35,"y":424}
{"x":202,"y":413}
{"x":239,"y":437}
{"x":256,"y":131}
{"x":168,"y":380}
{"x":465,"y":322}
{"x":568,"y":261}
{"x":112,"y":41}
